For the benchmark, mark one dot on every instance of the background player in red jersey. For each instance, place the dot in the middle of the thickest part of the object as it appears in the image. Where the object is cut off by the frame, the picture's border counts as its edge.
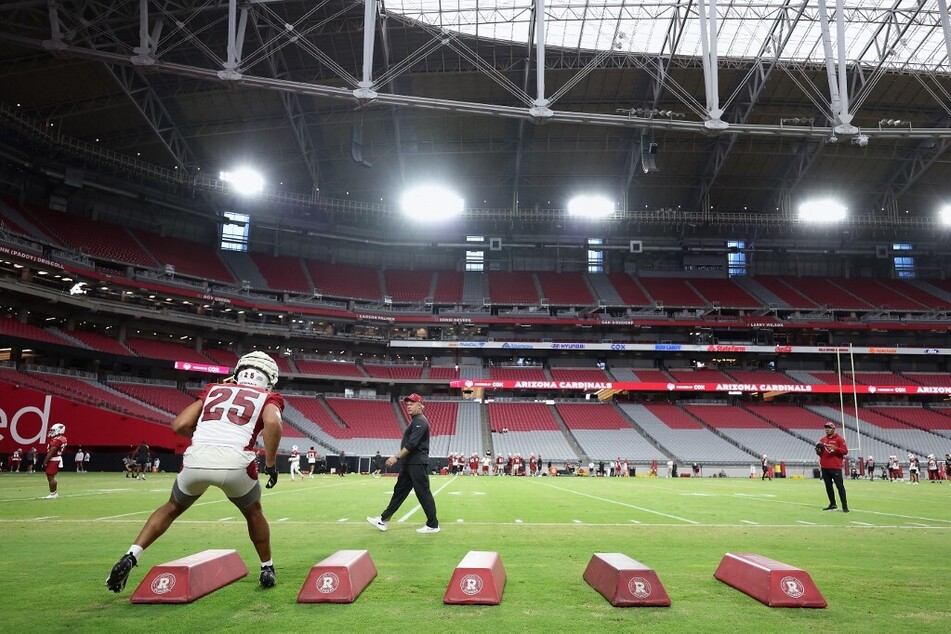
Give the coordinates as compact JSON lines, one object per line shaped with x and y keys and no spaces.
{"x":223,"y":425}
{"x":54,"y":457}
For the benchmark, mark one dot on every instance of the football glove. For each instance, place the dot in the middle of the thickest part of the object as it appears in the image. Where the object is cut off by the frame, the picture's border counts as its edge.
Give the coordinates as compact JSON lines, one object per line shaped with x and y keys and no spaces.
{"x":820,"y":448}
{"x":271,"y":473}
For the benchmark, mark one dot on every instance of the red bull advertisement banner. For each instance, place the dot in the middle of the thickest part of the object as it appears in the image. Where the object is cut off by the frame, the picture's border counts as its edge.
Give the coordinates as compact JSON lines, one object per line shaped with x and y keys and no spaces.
{"x":593,"y":386}
{"x":26,"y":416}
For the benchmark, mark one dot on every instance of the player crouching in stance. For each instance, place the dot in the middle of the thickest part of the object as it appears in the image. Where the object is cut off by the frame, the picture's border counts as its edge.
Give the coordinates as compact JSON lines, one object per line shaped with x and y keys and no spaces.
{"x":223,"y":426}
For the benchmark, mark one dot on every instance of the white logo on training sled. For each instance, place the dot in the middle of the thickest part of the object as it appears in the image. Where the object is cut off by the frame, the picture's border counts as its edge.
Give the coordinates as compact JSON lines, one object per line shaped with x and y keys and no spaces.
{"x":639,"y":587}
{"x":792,"y":587}
{"x":163,"y":583}
{"x":327,"y":582}
{"x":471,"y":584}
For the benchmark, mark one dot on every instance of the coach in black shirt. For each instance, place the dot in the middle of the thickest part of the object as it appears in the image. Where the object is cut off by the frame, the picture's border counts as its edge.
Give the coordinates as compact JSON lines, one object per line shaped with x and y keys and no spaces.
{"x":414,"y":474}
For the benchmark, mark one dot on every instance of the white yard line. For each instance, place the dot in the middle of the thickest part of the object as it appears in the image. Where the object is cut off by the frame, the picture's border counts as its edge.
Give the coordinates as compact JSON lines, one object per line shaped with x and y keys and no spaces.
{"x":861,"y":523}
{"x":417,"y":507}
{"x":630,"y":506}
{"x":806,"y":523}
{"x":749,"y":522}
{"x":343,"y":519}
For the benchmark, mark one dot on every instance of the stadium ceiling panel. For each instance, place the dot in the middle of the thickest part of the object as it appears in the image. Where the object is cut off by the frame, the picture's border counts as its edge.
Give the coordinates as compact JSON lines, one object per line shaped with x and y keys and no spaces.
{"x":744,"y":103}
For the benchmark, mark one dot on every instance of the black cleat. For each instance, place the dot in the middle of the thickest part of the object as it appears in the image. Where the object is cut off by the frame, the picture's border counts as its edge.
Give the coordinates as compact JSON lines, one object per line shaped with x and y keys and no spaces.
{"x":268,"y":579}
{"x":831,"y":507}
{"x":845,"y":509}
{"x":120,"y":572}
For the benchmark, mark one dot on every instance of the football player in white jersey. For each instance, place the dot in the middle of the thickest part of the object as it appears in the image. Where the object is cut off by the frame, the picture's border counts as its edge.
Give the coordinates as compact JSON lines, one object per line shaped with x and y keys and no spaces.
{"x":293,"y":463}
{"x":223,"y":425}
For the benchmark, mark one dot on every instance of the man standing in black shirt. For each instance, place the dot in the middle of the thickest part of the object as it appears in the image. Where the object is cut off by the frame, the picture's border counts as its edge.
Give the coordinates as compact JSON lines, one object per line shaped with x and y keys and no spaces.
{"x":414,"y":474}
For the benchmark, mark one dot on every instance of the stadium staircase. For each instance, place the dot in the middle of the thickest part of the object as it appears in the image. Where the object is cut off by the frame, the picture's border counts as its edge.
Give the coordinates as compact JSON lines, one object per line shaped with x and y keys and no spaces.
{"x":13,"y":213}
{"x":333,"y":415}
{"x":760,"y":292}
{"x":486,"y":427}
{"x":602,"y":289}
{"x":664,"y":451}
{"x":400,"y":415}
{"x":301,"y":423}
{"x":834,"y":415}
{"x":572,"y":441}
{"x":719,"y":433}
{"x":780,"y":427}
{"x":931,"y":289}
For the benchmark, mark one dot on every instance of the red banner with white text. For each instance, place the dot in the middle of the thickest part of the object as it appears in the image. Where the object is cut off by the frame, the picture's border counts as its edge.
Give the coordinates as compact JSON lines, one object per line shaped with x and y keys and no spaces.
{"x":26,"y":416}
{"x":593,"y":386}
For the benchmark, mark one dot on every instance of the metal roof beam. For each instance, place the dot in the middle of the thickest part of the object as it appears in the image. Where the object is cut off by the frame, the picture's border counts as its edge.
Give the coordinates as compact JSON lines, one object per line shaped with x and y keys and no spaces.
{"x":752,"y":85}
{"x":293,"y":110}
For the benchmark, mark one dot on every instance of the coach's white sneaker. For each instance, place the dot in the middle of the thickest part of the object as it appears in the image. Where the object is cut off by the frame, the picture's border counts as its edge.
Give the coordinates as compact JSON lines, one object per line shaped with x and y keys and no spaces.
{"x":378,"y":523}
{"x":427,"y":529}
{"x":52,"y":496}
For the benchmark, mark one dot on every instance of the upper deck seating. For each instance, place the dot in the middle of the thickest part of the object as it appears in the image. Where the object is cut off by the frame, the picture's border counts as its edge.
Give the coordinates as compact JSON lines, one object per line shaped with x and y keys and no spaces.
{"x":188,"y":258}
{"x":449,"y":285}
{"x":791,"y":295}
{"x":725,"y":292}
{"x":408,"y":286}
{"x":629,"y":290}
{"x":671,"y":291}
{"x":346,"y":280}
{"x":97,"y":239}
{"x":824,"y":292}
{"x":512,"y":288}
{"x":283,"y":273}
{"x":565,"y":289}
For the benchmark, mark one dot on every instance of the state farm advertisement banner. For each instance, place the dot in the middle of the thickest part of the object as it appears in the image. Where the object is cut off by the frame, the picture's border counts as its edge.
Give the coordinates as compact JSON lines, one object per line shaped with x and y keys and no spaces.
{"x":26,"y":416}
{"x":590,"y":386}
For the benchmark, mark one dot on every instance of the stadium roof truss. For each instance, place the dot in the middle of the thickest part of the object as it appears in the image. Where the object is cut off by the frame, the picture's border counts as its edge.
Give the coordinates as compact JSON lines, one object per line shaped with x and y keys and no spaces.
{"x":707,"y":66}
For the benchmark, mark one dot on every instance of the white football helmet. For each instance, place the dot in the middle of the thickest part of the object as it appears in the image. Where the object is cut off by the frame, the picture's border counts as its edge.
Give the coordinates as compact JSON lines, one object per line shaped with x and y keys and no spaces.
{"x":256,"y":369}
{"x":57,"y":429}
{"x":294,"y":448}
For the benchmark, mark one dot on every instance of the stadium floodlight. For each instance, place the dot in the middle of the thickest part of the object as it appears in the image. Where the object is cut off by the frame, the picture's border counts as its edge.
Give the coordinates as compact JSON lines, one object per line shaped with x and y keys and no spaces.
{"x":431,"y":202}
{"x":590,"y":206}
{"x":823,"y":211}
{"x":244,"y":181}
{"x":944,"y":215}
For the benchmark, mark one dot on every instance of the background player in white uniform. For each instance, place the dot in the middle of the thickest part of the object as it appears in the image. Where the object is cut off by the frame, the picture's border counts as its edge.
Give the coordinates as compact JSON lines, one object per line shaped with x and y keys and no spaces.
{"x":293,"y":462}
{"x":223,"y":426}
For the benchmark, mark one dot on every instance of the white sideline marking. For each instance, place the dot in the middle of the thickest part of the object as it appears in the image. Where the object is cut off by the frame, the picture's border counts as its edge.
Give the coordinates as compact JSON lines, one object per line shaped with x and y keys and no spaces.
{"x":806,"y":523}
{"x":417,"y":507}
{"x":343,"y":519}
{"x":917,"y":524}
{"x":634,"y":521}
{"x":283,"y":519}
{"x":460,"y":520}
{"x":630,"y":506}
{"x":860,"y":523}
{"x":518,"y":521}
{"x":749,"y":522}
{"x":48,"y":517}
{"x":577,"y":521}
{"x":226,"y":519}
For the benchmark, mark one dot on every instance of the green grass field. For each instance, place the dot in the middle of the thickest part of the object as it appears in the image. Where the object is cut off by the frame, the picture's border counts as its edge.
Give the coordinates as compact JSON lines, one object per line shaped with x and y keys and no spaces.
{"x":881,"y":567}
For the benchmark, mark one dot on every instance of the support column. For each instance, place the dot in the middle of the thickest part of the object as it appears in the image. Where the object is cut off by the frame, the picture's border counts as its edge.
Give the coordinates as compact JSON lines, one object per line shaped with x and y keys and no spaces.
{"x":231,"y":63}
{"x":365,"y":91}
{"x":946,"y":26}
{"x":540,"y":109}
{"x":711,"y":78}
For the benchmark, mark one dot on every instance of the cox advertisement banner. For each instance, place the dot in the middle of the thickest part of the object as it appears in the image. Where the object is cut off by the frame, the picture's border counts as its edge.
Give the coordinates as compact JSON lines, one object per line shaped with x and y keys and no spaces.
{"x":694,"y":387}
{"x":26,"y":416}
